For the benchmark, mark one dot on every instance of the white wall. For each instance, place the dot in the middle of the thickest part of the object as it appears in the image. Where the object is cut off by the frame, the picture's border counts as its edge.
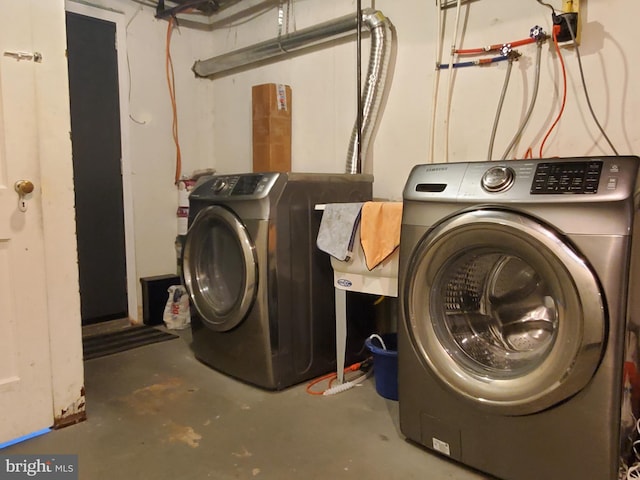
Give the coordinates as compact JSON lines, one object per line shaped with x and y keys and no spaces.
{"x":215,"y":114}
{"x":153,"y":153}
{"x":323,"y":92}
{"x":323,"y":84}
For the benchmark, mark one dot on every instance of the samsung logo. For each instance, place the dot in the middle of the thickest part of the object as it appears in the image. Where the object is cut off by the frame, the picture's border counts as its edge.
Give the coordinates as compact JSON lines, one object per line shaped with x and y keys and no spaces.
{"x":436,"y":169}
{"x":343,"y":282}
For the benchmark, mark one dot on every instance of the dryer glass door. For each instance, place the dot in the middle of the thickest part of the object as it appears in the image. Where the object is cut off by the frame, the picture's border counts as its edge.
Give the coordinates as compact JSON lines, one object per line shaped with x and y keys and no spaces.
{"x":220,"y":268}
{"x":504,"y":311}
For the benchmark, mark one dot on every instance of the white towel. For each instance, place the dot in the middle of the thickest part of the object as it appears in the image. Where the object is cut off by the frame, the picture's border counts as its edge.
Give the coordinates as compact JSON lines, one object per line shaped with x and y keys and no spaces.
{"x":337,"y":229}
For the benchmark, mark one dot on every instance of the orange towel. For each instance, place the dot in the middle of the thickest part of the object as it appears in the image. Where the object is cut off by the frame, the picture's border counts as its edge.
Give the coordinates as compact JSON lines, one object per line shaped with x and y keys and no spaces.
{"x":380,"y":230}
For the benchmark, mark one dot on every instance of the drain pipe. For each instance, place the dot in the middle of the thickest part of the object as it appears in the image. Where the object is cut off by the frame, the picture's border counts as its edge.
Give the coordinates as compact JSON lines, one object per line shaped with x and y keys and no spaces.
{"x":380,"y":28}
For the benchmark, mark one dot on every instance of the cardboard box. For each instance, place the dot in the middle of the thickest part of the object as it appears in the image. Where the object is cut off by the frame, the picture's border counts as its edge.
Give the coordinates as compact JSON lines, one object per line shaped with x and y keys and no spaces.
{"x":271,"y":108}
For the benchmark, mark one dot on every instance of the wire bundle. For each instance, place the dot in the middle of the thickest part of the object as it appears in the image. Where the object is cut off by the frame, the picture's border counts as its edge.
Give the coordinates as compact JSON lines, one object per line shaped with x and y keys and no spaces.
{"x":557,"y":21}
{"x":560,"y":22}
{"x":632,"y":472}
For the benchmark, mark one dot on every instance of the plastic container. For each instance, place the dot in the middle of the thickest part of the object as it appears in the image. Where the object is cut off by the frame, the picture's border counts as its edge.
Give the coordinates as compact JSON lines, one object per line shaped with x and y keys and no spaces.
{"x":385,"y":364}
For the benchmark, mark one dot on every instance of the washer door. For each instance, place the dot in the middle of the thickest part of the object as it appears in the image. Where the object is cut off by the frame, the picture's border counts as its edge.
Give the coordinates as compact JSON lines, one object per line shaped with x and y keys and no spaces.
{"x":504,"y":312}
{"x":220,"y":268}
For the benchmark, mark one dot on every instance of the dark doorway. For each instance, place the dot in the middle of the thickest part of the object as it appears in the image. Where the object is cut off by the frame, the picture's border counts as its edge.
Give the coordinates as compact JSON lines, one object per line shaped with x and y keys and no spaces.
{"x":97,"y":170}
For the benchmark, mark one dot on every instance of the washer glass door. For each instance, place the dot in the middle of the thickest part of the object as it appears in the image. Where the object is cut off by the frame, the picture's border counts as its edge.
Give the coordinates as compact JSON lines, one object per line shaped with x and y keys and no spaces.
{"x":504,"y":312}
{"x":220,"y":268}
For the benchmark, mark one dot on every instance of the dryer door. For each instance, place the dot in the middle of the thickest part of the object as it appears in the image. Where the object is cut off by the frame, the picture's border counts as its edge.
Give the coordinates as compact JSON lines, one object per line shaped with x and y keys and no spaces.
{"x":220,"y":268}
{"x":504,"y":312}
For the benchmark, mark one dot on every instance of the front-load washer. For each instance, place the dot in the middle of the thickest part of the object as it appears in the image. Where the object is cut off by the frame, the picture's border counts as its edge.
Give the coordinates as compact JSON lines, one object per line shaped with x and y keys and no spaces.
{"x":514,"y":310}
{"x":261,"y":291}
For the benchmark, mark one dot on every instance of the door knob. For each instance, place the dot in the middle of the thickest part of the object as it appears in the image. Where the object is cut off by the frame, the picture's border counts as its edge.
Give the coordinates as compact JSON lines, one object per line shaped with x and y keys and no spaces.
{"x":24,"y":188}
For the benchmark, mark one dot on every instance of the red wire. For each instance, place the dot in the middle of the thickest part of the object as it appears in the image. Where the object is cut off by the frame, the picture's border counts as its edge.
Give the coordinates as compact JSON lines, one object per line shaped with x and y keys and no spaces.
{"x":556,"y":29}
{"x":529,"y":153}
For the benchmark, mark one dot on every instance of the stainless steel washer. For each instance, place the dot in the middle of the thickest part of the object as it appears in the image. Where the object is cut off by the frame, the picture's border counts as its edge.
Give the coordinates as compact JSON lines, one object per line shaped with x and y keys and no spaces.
{"x":261,"y":291}
{"x":514,"y":281}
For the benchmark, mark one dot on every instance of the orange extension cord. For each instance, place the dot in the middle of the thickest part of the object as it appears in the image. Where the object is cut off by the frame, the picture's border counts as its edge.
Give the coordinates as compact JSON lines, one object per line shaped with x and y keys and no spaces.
{"x":331,"y":377}
{"x":172,"y":94}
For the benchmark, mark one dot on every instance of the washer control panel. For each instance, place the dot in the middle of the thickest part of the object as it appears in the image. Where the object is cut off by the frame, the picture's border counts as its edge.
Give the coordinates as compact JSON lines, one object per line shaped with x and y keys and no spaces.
{"x":566,"y":177}
{"x":575,"y":179}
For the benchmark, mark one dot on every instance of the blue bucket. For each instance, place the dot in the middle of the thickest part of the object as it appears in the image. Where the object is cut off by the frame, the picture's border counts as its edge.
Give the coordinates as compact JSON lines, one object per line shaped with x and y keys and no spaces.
{"x":385,"y":364}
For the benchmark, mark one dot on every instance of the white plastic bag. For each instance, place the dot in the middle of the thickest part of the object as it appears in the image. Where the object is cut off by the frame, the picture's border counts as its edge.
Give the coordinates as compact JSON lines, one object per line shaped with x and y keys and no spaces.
{"x":176,"y":312}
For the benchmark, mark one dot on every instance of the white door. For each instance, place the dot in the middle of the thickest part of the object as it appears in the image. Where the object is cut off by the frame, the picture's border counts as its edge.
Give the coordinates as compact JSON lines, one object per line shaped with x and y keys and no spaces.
{"x":26,"y":397}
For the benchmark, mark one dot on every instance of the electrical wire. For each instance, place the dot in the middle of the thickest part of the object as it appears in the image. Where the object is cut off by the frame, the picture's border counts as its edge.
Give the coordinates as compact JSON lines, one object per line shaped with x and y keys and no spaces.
{"x":450,"y":82}
{"x":556,"y":29}
{"x":172,"y":94}
{"x":528,"y":153}
{"x":359,"y":110}
{"x":126,"y":30}
{"x":436,"y":81}
{"x":184,"y":6}
{"x":259,"y":10}
{"x":547,"y":5}
{"x":584,"y":86}
{"x":631,"y":472}
{"x":534,"y":96}
{"x":500,"y":104}
{"x":241,"y":18}
{"x":379,"y":300}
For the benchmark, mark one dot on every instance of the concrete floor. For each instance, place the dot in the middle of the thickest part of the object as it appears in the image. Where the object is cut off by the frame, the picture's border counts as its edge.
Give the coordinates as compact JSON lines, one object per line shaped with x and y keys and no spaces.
{"x":155,"y":412}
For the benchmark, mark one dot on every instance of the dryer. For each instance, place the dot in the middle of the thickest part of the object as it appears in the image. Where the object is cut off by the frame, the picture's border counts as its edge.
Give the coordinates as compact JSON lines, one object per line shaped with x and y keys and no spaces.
{"x":514,"y":305}
{"x":261,"y":292}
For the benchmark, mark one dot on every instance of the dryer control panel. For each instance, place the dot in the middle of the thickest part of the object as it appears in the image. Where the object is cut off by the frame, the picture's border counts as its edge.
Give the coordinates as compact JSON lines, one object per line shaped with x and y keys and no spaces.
{"x":244,"y":186}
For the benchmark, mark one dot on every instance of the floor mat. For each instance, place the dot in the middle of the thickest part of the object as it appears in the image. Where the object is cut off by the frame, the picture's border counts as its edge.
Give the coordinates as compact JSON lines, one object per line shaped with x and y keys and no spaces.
{"x":96,"y":346}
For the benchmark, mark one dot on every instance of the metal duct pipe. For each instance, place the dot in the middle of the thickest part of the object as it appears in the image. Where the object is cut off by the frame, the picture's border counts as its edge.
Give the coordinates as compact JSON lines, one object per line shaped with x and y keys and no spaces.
{"x":376,"y":79}
{"x":380,"y":28}
{"x":276,"y":47}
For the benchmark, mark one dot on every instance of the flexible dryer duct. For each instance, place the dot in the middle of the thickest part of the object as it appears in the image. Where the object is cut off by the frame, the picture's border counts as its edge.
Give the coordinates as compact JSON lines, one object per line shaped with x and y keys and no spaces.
{"x":381,"y":38}
{"x":381,"y":41}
